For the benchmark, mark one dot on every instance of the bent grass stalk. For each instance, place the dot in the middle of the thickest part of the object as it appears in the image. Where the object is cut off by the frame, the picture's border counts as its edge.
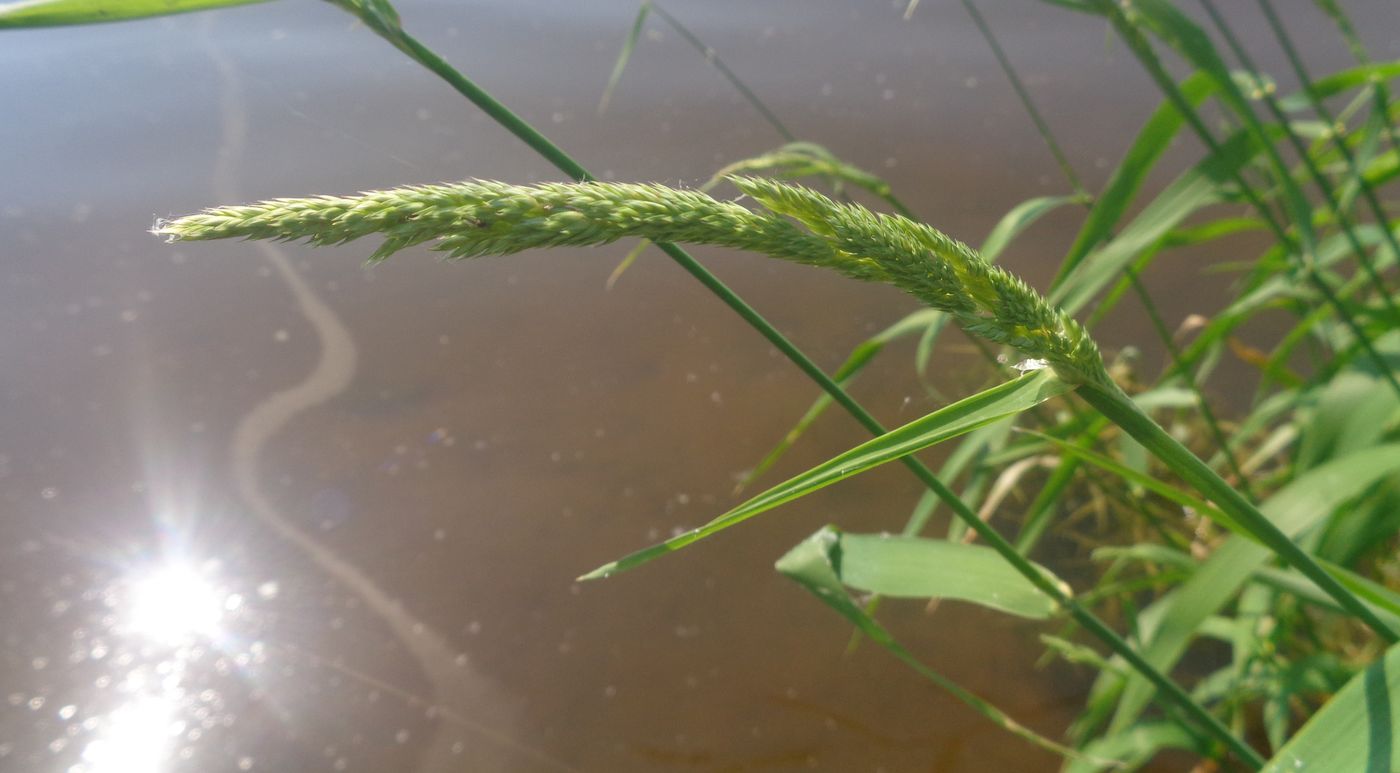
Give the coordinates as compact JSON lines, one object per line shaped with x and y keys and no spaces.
{"x":483,"y":218}
{"x":476,"y":218}
{"x":381,"y":17}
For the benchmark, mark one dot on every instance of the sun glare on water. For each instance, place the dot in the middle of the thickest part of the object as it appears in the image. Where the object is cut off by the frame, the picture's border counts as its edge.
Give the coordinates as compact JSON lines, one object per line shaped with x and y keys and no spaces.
{"x":136,"y":737}
{"x":175,"y":605}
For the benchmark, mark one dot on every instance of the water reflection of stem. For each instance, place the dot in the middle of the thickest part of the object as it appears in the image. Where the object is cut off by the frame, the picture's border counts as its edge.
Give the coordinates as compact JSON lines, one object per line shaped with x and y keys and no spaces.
{"x":455,"y":685}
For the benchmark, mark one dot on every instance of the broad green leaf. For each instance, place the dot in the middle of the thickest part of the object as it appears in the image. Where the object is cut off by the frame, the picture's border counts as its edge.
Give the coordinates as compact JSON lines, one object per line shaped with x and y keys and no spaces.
{"x":1021,"y":217}
{"x":1354,"y":731}
{"x":814,"y":564}
{"x":918,"y":567}
{"x":624,"y":55}
{"x":53,"y":13}
{"x":961,"y":417}
{"x":1308,"y":500}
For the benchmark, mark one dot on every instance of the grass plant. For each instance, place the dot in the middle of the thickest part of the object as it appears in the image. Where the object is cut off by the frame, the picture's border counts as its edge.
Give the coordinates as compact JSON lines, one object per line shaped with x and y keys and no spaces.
{"x":1272,"y":534}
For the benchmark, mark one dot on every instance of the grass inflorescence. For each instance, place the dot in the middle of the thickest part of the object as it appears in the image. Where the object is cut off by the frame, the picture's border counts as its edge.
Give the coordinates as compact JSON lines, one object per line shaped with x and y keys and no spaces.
{"x":1286,"y":552}
{"x":475,"y":218}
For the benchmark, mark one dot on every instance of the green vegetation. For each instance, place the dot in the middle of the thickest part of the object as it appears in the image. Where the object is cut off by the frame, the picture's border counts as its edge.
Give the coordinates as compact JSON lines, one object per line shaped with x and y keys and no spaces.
{"x":1272,"y":534}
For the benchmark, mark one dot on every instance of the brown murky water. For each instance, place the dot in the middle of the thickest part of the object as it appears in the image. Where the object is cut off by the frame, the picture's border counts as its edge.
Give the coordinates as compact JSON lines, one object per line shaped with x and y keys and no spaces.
{"x":265,"y":509}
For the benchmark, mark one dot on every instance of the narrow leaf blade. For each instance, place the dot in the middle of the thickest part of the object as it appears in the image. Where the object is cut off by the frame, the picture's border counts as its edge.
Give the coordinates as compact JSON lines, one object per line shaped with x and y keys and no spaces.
{"x":54,"y":13}
{"x":951,"y":421}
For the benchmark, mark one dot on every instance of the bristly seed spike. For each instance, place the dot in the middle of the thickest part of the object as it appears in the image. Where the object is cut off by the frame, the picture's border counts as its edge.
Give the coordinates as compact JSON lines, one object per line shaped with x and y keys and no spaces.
{"x":479,"y":217}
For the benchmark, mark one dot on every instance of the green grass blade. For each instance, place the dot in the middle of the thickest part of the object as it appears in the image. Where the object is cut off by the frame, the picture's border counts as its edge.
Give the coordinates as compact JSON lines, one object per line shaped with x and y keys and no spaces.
{"x":1021,"y":217}
{"x":963,"y":416}
{"x":1189,"y":40}
{"x":918,"y":567}
{"x":1343,"y":80}
{"x":53,"y":13}
{"x":1355,"y":731}
{"x":1300,"y":505}
{"x":1134,"y":747}
{"x":1137,"y":478}
{"x":1196,"y":188}
{"x":814,"y":563}
{"x":713,"y":59}
{"x":624,"y":55}
{"x":1153,"y":139}
{"x":796,"y":160}
{"x":1386,"y":601}
{"x":858,"y":359}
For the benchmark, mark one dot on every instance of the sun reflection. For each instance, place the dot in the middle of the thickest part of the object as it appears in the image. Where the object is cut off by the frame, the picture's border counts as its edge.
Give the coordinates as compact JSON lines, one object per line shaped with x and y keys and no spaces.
{"x":135,"y":737}
{"x":175,"y":604}
{"x":168,"y":616}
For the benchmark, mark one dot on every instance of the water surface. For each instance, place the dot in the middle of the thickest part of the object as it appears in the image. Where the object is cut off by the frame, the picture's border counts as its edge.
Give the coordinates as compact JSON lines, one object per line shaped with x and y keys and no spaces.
{"x":268,"y":509}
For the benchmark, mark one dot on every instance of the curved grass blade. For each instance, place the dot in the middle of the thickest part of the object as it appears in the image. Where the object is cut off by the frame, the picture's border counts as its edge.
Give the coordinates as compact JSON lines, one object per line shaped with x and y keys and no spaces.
{"x":1343,"y":80}
{"x":1134,"y":747}
{"x":1306,"y":501}
{"x":1356,"y":730}
{"x":858,"y":359}
{"x":792,"y":161}
{"x":55,"y":13}
{"x":1021,"y":217}
{"x":963,"y":416}
{"x":815,"y":564}
{"x":1196,"y":188}
{"x":1138,"y":478}
{"x":624,"y":55}
{"x":796,"y":160}
{"x":1153,"y":140}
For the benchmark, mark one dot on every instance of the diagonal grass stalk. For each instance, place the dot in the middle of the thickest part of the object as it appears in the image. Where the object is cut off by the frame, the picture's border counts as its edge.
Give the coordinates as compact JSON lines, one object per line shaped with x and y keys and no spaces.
{"x":1128,"y":28}
{"x":380,"y":17}
{"x":487,"y":218}
{"x":1337,"y":134}
{"x":1380,"y":94}
{"x":1329,"y":195}
{"x":480,"y":218}
{"x":1207,"y":413}
{"x":1024,"y":96}
{"x":1037,"y":519}
{"x":734,"y":80}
